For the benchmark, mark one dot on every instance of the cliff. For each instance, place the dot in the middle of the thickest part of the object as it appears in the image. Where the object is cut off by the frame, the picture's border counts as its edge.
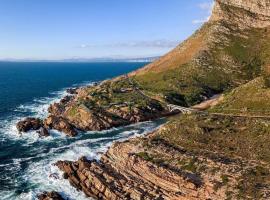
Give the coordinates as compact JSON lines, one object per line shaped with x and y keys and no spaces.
{"x":245,"y":14}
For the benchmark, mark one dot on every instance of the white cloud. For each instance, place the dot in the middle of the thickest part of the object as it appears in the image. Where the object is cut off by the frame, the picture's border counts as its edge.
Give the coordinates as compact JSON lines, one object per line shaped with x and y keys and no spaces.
{"x":150,"y":44}
{"x":84,"y":46}
{"x":200,"y":21}
{"x":138,"y":44}
{"x":207,"y":7}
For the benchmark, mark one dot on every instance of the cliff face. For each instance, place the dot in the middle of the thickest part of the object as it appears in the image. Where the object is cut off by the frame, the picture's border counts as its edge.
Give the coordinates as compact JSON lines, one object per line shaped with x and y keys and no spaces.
{"x":245,"y":14}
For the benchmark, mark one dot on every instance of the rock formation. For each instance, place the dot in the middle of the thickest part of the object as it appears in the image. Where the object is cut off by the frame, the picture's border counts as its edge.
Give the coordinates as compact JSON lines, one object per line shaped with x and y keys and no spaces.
{"x":111,"y":104}
{"x":29,"y":124}
{"x":246,"y":14}
{"x":159,"y":167}
{"x":43,"y":132}
{"x":50,"y":196}
{"x":60,"y":124}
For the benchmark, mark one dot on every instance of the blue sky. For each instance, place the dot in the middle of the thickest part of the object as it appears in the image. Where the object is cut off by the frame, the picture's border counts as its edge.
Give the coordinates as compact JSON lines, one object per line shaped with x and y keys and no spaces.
{"x":59,"y":29}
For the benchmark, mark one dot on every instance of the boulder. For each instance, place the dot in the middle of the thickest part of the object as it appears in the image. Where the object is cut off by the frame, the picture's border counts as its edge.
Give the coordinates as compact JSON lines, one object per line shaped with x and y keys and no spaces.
{"x":43,"y":132}
{"x":28,"y":124}
{"x":50,"y":196}
{"x":55,"y":109}
{"x":72,"y":90}
{"x":60,"y":124}
{"x":66,"y":99}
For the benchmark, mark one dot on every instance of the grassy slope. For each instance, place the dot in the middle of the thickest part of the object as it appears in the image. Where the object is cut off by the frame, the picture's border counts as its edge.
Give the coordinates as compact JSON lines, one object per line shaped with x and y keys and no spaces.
{"x":226,"y":137}
{"x":252,"y":98}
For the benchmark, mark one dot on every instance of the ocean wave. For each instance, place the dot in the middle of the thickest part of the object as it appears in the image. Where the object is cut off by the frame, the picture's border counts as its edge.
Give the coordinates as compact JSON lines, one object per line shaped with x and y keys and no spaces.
{"x":37,"y":108}
{"x":48,"y":177}
{"x":42,"y":153}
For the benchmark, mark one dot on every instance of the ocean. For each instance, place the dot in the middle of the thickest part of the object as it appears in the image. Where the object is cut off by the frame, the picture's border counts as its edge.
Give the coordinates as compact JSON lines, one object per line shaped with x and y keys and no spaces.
{"x":27,"y":89}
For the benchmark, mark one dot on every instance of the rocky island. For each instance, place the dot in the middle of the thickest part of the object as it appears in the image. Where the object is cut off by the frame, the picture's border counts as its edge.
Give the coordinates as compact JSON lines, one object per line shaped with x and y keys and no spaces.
{"x":221,"y":153}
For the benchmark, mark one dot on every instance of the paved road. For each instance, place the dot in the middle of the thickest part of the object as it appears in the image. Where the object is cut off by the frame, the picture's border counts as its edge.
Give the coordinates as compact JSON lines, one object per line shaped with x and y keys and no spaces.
{"x":173,"y":107}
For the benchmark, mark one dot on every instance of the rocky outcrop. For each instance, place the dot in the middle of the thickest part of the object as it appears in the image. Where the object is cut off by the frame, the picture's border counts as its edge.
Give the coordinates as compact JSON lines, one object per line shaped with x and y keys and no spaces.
{"x":28,"y":124}
{"x":97,"y":108}
{"x":50,"y":196}
{"x":243,"y":13}
{"x":43,"y":132}
{"x":103,"y":106}
{"x":122,"y":174}
{"x":72,"y":90}
{"x":155,"y":168}
{"x":60,"y":124}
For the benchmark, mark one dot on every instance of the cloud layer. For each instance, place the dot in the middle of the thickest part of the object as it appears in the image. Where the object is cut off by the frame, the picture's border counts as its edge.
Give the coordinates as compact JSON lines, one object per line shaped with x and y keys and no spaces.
{"x":137,"y":44}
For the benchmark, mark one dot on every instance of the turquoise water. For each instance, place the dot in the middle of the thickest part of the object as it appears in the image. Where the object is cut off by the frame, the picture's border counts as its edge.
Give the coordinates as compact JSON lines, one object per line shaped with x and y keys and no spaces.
{"x":27,"y":89}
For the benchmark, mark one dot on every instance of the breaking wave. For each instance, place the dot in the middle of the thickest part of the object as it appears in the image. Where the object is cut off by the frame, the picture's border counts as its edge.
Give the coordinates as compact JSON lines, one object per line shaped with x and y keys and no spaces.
{"x":28,"y":169}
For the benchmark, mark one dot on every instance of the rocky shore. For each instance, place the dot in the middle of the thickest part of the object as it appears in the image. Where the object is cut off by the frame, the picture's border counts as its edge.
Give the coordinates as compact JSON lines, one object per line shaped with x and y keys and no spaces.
{"x":112,"y":103}
{"x":158,"y":167}
{"x":50,"y":196}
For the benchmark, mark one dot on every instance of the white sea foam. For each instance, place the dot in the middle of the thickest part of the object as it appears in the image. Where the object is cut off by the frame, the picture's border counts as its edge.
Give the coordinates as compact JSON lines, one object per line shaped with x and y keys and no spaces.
{"x":37,"y":108}
{"x":49,"y":177}
{"x":42,"y":174}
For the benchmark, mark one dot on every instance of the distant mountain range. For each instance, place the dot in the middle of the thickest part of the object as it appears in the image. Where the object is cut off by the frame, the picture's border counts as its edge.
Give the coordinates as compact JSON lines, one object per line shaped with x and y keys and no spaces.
{"x":139,"y":59}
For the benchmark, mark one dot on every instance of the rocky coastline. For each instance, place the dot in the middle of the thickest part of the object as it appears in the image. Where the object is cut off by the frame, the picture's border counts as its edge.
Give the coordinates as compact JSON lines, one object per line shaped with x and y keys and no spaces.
{"x":156,"y":166}
{"x":95,"y":108}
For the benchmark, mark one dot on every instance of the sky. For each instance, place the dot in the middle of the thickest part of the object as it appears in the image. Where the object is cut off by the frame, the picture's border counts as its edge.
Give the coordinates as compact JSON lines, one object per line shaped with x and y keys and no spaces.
{"x":63,"y":29}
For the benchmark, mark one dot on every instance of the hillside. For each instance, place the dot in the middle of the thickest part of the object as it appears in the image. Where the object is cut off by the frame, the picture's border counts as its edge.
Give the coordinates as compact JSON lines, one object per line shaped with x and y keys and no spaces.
{"x":229,"y":50}
{"x":251,"y":99}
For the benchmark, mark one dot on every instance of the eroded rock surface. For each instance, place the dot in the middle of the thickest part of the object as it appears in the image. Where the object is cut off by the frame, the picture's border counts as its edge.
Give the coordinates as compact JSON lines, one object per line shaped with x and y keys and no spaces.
{"x":43,"y":132}
{"x":28,"y":124}
{"x":122,"y":174}
{"x":161,"y":167}
{"x":60,"y":124}
{"x":50,"y":196}
{"x":110,"y":104}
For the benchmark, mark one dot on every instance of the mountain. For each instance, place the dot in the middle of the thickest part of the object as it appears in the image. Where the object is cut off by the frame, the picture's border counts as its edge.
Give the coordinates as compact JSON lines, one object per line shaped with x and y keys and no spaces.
{"x":229,"y":50}
{"x":220,"y":153}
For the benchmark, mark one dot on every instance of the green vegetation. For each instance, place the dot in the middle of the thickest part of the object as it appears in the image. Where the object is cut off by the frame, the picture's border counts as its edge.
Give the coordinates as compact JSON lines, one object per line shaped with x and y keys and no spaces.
{"x":191,"y":165}
{"x":225,"y":179}
{"x":228,"y":136}
{"x":252,"y":181}
{"x":156,"y":159}
{"x":185,"y":85}
{"x":73,"y":111}
{"x":114,"y":94}
{"x":251,"y":99}
{"x":222,"y":67}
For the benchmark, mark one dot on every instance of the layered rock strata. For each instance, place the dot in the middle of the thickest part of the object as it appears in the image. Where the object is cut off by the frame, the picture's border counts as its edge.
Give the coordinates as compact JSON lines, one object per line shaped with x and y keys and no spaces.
{"x":158,"y":167}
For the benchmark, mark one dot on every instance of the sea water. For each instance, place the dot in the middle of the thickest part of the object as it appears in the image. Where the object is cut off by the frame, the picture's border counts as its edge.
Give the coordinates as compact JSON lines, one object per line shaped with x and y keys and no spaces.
{"x":27,"y":89}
